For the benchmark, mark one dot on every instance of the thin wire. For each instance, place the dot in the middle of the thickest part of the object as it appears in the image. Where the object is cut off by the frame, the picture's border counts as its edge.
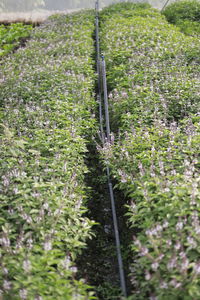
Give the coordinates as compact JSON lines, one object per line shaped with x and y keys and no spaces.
{"x":165,"y":5}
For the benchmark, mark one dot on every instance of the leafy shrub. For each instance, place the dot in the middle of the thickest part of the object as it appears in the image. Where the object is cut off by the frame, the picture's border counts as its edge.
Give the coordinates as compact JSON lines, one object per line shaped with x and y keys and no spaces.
{"x":185,"y":14}
{"x":153,"y":79}
{"x":189,"y":27}
{"x":12,"y":35}
{"x":183,"y":10}
{"x":158,"y":168}
{"x":47,"y":120}
{"x":126,"y":9}
{"x":152,"y":69}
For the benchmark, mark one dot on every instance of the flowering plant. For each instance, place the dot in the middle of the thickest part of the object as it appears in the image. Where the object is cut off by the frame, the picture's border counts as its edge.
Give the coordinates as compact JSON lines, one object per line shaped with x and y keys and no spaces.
{"x":47,"y":119}
{"x":153,"y":76}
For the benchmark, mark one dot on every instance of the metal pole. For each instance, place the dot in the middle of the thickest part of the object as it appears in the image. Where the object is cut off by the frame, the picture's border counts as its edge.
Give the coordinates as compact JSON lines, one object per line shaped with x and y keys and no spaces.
{"x":106,"y":99}
{"x":165,"y":5}
{"x":99,"y":99}
{"x":114,"y":214}
{"x":97,"y":38}
{"x":97,"y":5}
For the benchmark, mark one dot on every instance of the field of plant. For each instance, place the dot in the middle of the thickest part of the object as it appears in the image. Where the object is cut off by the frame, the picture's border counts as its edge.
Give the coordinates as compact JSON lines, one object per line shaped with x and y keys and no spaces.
{"x":47,"y":117}
{"x":153,"y":77}
{"x":50,"y":168}
{"x":11,"y":36}
{"x":186,"y":15}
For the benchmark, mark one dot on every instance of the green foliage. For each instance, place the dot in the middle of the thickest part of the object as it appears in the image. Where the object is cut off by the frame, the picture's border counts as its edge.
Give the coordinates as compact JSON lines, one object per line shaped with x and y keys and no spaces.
{"x":47,"y":120}
{"x":183,"y":10}
{"x":152,"y":68}
{"x":126,"y":9}
{"x":153,"y":76}
{"x":158,"y":168}
{"x":189,"y":27}
{"x":11,"y":36}
{"x":185,"y":14}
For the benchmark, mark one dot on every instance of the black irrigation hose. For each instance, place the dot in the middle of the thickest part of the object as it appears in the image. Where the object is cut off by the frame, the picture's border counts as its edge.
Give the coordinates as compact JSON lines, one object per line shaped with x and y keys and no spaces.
{"x":101,"y":71}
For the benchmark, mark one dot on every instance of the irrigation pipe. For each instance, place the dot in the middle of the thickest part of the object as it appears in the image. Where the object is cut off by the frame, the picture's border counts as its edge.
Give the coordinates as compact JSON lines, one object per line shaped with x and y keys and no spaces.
{"x":101,"y":71}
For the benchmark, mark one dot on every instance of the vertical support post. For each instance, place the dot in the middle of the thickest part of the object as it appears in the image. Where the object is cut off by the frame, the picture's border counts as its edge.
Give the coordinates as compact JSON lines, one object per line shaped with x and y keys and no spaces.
{"x":165,"y":5}
{"x":112,"y":198}
{"x":106,"y":100}
{"x":97,"y":5}
{"x":99,"y":95}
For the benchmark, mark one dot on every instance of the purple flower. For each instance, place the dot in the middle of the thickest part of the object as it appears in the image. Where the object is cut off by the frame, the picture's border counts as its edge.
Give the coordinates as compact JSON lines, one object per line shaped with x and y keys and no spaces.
{"x":144,"y":251}
{"x":163,"y":285}
{"x":179,"y":226}
{"x":26,"y":265}
{"x":6,"y":285}
{"x":172,"y":264}
{"x":154,"y":266}
{"x":196,"y":268}
{"x":23,"y":294}
{"x":47,"y":246}
{"x":147,"y":275}
{"x":175,"y":283}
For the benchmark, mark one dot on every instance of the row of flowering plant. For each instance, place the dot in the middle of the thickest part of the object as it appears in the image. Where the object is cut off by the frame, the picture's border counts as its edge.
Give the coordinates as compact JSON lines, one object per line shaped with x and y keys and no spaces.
{"x":47,"y":117}
{"x":153,"y":77}
{"x":12,"y":35}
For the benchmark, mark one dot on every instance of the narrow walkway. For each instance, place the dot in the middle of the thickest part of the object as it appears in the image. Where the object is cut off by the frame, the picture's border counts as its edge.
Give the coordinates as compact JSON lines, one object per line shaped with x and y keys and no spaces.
{"x":98,"y":262}
{"x":101,"y":262}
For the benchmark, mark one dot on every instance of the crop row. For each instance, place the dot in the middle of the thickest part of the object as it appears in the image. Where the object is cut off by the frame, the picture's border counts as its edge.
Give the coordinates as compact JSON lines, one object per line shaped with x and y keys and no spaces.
{"x":47,"y":118}
{"x":153,"y":77}
{"x":11,"y":36}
